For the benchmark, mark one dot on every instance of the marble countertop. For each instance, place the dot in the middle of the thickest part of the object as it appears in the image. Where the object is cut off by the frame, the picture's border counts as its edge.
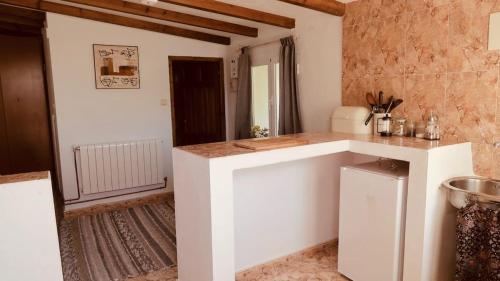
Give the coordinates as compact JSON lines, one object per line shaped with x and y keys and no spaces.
{"x":223,"y":149}
{"x":24,"y":177}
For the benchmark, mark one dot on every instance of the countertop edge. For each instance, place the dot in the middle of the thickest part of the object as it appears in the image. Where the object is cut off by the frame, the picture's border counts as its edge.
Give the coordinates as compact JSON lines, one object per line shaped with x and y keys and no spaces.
{"x":6,"y":179}
{"x":226,"y":150}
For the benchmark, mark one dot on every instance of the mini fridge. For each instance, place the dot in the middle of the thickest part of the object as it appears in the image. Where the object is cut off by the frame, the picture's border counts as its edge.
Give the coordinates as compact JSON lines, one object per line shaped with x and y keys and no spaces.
{"x":372,"y":220}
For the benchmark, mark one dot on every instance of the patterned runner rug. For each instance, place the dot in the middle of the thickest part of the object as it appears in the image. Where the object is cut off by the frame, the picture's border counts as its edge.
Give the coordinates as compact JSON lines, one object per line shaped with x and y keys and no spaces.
{"x":119,"y":244}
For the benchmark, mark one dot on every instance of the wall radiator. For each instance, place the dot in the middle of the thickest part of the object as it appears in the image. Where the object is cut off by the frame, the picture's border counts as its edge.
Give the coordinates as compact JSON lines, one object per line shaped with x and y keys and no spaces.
{"x":115,"y":166}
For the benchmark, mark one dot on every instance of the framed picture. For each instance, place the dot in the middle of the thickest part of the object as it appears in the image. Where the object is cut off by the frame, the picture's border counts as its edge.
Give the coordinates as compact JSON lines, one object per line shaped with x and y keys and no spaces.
{"x":116,"y":67}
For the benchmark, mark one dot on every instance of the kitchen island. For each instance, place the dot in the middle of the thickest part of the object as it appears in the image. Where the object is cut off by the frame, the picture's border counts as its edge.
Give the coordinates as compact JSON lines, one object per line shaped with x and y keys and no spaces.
{"x":206,"y":179}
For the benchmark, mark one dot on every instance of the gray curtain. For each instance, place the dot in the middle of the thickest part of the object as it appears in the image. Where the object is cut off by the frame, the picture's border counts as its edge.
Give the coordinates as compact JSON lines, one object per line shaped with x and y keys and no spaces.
{"x":243,"y":118}
{"x":289,"y":111}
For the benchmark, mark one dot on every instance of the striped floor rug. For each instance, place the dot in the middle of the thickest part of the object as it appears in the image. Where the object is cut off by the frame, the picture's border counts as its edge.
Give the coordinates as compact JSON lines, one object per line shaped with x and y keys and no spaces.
{"x":119,"y":244}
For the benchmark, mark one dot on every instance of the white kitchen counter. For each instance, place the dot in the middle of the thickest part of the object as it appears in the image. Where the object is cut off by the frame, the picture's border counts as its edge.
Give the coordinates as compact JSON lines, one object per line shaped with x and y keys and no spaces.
{"x":204,"y":186}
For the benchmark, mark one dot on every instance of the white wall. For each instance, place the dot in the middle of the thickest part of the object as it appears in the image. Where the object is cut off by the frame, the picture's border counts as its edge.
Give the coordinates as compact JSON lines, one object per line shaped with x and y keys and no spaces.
{"x":319,"y":55}
{"x":86,"y":115}
{"x":29,"y":246}
{"x":284,"y":208}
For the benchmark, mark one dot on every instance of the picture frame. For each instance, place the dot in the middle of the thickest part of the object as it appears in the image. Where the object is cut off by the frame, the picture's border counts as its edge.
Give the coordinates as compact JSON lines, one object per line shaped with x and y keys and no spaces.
{"x":116,"y":66}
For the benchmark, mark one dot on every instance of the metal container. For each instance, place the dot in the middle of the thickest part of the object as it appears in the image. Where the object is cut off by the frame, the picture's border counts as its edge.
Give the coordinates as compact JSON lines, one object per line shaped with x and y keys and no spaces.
{"x":465,"y":190}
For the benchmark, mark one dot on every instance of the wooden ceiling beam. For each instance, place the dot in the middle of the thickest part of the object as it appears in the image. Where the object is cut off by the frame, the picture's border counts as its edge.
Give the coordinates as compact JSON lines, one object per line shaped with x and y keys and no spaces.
{"x":332,"y":7}
{"x":235,"y":11}
{"x":118,"y":20}
{"x":168,"y":15}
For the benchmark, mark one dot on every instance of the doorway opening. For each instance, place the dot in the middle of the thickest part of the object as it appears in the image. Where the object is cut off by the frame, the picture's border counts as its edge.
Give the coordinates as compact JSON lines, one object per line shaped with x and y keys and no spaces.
{"x":198,"y":100}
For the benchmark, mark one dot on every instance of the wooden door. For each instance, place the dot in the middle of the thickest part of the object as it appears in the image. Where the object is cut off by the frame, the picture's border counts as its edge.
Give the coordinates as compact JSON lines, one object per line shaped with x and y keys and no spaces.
{"x":197,"y":95}
{"x":25,"y":143}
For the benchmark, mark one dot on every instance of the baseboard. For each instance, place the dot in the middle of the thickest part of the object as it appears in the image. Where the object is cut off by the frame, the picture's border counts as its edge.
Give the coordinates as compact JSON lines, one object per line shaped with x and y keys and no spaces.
{"x":115,"y":203}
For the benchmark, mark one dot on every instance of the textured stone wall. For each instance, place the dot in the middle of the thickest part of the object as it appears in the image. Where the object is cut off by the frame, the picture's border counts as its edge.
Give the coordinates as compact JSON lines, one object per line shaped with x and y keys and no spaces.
{"x":433,"y":54}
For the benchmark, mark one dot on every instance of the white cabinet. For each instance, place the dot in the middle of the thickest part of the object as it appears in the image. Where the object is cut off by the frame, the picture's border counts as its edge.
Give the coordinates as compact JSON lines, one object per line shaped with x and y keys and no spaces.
{"x":372,"y":221}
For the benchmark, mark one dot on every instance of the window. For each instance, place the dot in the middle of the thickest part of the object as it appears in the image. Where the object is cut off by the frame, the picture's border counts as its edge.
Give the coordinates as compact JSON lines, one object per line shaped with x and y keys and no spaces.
{"x":265,"y":86}
{"x":265,"y":96}
{"x":260,"y":96}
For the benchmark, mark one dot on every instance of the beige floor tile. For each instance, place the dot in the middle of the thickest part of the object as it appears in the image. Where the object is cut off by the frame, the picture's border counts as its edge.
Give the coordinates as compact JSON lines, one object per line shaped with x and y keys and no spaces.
{"x":318,"y":264}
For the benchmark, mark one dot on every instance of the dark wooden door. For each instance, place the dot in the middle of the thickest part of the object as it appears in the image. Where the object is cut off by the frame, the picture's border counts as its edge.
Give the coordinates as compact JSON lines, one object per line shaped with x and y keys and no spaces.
{"x":197,"y":94}
{"x":25,"y":143}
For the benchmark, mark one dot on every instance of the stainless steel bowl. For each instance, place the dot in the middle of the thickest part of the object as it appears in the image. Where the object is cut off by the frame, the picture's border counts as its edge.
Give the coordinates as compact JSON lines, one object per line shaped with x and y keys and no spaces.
{"x":465,"y":190}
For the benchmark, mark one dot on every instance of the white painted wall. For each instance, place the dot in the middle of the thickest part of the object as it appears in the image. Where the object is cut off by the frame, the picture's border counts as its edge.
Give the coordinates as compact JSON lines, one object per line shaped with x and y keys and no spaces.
{"x":319,"y":55}
{"x":29,"y":246}
{"x":86,"y":115}
{"x":284,"y":208}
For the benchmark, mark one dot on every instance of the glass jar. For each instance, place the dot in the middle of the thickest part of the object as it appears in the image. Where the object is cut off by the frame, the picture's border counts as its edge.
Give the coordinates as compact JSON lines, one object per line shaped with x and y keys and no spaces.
{"x":410,"y":129}
{"x":384,"y":125}
{"x":399,"y":127}
{"x":420,"y":130}
{"x":432,"y":128}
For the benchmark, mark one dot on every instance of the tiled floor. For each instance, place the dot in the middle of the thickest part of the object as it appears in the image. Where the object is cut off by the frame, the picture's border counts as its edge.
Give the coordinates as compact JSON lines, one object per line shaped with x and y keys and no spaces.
{"x":316,"y":264}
